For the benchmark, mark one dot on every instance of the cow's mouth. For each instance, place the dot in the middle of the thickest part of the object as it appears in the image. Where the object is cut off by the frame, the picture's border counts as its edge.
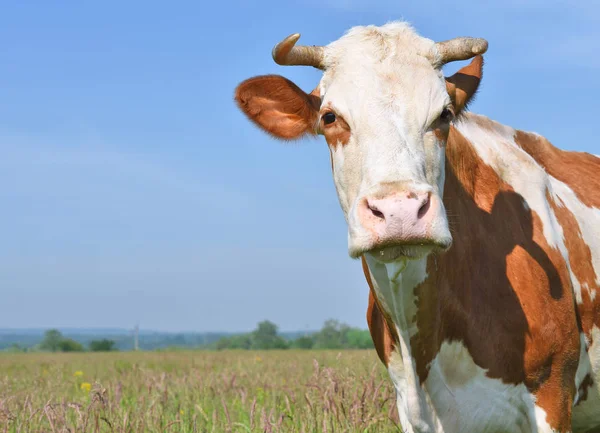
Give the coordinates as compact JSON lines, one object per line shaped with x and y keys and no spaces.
{"x":393,"y":253}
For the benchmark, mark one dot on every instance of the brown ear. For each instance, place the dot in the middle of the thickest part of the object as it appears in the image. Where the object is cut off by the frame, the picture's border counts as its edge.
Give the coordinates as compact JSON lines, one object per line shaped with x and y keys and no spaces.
{"x":278,"y":106}
{"x":463,"y":85}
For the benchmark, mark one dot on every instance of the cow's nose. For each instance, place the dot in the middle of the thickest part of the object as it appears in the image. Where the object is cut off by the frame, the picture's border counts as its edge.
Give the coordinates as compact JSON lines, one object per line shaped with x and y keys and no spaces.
{"x":401,"y":217}
{"x":409,"y":206}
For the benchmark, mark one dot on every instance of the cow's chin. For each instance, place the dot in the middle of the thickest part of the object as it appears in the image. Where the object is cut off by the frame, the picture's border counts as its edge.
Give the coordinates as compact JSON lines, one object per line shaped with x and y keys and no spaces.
{"x":401,"y":253}
{"x":392,"y":250}
{"x":395,"y":252}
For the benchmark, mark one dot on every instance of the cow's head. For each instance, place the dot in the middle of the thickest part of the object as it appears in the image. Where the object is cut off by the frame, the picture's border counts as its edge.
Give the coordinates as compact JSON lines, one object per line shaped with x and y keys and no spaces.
{"x":385,"y":109}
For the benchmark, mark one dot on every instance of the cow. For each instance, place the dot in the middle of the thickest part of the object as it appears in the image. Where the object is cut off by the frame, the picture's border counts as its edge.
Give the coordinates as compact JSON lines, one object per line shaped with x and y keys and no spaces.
{"x":480,"y":243}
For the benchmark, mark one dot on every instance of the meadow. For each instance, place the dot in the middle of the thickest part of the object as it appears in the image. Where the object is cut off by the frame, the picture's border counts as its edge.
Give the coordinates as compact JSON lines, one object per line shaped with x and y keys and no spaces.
{"x":196,"y":391}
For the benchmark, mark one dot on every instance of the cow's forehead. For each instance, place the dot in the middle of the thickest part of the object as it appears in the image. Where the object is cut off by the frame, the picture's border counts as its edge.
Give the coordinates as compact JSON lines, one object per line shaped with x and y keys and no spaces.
{"x":382,"y":63}
{"x":386,"y":46}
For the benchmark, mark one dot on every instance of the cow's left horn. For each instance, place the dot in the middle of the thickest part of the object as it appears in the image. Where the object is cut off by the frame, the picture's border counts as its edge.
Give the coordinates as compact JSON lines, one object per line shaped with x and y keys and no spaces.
{"x":460,"y":49}
{"x":287,"y":53}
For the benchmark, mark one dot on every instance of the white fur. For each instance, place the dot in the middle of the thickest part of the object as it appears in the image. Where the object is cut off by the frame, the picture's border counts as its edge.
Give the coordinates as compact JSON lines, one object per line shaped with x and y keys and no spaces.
{"x":457,"y":395}
{"x":451,"y":398}
{"x":586,"y":414}
{"x":542,"y":425}
{"x":498,"y":149}
{"x":381,"y":81}
{"x":584,"y":367}
{"x":587,"y":218}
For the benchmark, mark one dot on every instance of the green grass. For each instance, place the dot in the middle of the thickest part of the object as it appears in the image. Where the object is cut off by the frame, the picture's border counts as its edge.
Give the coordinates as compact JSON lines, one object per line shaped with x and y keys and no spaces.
{"x":274,"y":391}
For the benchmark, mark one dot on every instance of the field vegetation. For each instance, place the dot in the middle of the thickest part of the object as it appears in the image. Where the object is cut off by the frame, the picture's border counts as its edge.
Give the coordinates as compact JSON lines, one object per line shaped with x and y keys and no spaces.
{"x":196,"y":391}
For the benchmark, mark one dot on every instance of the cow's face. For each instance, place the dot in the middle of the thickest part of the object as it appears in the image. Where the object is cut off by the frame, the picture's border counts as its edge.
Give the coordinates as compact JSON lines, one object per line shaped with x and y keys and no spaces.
{"x":385,"y":111}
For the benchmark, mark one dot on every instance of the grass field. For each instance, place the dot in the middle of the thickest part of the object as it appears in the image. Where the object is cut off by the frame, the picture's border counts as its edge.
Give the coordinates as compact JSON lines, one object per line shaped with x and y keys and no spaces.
{"x":271,"y":391}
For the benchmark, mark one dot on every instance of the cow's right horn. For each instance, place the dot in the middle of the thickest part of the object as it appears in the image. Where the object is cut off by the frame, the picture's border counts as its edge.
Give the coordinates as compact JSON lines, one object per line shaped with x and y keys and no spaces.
{"x":287,"y":53}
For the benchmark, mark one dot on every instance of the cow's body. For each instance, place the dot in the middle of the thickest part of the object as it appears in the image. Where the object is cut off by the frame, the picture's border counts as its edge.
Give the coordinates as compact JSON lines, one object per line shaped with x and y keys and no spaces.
{"x":502,"y":332}
{"x":481,"y":244}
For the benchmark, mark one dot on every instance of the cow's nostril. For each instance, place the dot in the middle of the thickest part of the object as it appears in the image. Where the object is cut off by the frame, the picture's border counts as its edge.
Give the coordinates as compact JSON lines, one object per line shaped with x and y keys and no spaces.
{"x":424,"y":208}
{"x":376,"y":212}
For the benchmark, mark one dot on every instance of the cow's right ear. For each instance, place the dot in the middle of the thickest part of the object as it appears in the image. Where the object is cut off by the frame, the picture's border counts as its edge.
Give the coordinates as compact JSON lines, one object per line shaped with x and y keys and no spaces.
{"x":278,"y":106}
{"x":463,"y":85}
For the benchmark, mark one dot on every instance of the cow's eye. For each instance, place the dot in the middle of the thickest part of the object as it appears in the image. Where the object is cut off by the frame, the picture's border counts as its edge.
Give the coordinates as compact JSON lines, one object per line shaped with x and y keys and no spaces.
{"x":328,"y":118}
{"x":447,"y":115}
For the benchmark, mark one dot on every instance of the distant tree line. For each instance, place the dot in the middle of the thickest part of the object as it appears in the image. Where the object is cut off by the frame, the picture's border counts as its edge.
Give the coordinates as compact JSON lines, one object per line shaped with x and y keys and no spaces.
{"x":266,"y":336}
{"x":54,"y":341}
{"x":333,"y":335}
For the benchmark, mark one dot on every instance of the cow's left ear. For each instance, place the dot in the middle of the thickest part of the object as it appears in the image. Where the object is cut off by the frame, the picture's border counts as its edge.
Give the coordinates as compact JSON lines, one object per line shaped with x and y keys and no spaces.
{"x":278,"y":106}
{"x":463,"y":85}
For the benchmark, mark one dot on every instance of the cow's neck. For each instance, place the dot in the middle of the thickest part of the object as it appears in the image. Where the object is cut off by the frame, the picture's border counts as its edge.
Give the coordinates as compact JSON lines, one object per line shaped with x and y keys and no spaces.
{"x":394,"y":284}
{"x":417,"y":300}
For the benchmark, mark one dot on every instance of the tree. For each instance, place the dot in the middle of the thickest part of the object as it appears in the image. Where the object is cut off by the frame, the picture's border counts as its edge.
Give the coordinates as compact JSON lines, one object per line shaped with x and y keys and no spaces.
{"x":265,"y":337}
{"x":242,"y":341}
{"x":52,"y":340}
{"x":104,"y":345}
{"x":304,"y":342}
{"x":16,"y":348}
{"x":359,"y":339}
{"x":332,"y":335}
{"x":69,"y":345}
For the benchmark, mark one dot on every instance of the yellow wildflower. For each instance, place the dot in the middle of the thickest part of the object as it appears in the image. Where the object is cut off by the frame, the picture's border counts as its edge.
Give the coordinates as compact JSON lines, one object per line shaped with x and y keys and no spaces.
{"x":85,"y":386}
{"x":258,"y":358}
{"x":78,"y":373}
{"x":181,"y":411}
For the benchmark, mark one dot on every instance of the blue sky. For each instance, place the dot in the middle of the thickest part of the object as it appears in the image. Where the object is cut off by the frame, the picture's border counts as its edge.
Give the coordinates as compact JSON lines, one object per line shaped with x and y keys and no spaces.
{"x":134,"y":191}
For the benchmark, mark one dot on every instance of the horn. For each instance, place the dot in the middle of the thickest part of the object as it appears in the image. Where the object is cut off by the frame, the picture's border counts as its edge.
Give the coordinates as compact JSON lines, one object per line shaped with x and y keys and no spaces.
{"x":460,"y":49}
{"x":287,"y":53}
